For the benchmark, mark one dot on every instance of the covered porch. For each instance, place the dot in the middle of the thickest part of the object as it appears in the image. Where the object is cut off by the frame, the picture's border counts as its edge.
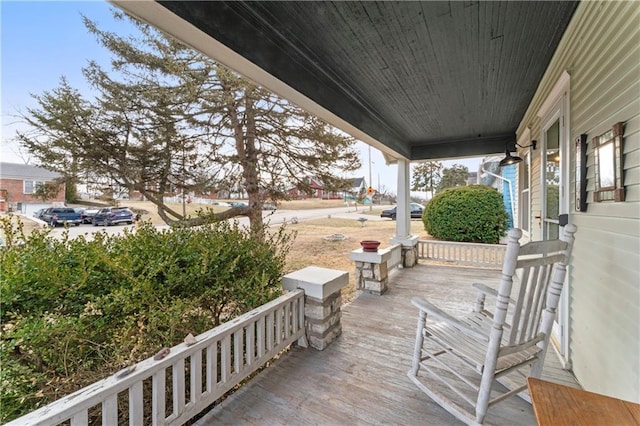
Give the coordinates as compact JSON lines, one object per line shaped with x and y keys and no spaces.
{"x":361,"y":377}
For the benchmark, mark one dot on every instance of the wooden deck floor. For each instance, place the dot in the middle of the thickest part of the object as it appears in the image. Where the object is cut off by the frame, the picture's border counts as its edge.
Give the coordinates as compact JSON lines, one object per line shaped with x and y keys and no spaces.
{"x":361,"y":378}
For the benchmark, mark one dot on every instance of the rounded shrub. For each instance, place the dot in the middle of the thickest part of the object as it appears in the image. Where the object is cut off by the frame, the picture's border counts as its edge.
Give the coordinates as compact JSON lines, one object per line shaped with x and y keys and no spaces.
{"x":473,"y":213}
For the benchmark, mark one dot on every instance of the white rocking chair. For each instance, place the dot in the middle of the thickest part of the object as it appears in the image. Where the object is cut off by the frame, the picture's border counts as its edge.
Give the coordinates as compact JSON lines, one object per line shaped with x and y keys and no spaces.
{"x":457,"y":361}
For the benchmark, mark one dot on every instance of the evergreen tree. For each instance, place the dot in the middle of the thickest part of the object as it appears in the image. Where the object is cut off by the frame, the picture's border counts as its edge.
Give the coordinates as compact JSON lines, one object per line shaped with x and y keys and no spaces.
{"x":167,"y":119}
{"x":453,"y":176}
{"x":426,"y":176}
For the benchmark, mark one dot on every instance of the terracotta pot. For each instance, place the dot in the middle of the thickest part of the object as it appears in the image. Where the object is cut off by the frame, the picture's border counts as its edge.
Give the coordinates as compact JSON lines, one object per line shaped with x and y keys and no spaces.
{"x":369,"y":245}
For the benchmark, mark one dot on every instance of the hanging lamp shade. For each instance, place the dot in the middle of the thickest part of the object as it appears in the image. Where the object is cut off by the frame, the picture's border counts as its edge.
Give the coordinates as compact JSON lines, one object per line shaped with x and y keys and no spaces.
{"x":509,"y":159}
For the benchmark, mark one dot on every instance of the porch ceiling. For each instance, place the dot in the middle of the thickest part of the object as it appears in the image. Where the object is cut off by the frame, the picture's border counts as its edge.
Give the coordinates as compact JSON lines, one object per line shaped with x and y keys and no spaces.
{"x":418,"y":80}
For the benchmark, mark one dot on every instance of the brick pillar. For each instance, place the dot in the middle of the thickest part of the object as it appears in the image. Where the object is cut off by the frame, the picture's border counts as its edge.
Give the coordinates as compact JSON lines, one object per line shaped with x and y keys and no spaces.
{"x":322,"y":301}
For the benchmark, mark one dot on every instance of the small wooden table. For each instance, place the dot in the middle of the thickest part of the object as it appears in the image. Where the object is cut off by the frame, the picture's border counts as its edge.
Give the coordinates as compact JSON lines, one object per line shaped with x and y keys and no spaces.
{"x":560,"y":405}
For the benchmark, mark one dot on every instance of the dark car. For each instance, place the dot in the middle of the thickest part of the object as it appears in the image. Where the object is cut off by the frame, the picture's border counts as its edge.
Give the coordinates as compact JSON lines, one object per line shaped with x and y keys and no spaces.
{"x":88,"y":214}
{"x":112,"y":215}
{"x":416,"y":211}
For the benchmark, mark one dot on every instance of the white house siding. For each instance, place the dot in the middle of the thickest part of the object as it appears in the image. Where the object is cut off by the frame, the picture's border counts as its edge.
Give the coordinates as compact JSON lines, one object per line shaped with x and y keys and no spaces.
{"x":601,"y":53}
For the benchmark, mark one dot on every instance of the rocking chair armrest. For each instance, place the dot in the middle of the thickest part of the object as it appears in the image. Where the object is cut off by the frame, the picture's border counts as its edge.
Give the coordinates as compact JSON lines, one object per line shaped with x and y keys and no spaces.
{"x":431,"y":309}
{"x":489,"y":291}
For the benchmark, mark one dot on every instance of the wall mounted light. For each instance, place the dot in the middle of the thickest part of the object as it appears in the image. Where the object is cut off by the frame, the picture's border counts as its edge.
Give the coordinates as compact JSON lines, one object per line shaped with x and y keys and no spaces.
{"x":513,"y":159}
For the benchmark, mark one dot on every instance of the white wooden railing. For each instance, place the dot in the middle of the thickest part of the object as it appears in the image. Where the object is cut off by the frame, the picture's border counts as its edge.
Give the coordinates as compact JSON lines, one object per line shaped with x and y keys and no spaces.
{"x":199,"y":373}
{"x":487,"y":255}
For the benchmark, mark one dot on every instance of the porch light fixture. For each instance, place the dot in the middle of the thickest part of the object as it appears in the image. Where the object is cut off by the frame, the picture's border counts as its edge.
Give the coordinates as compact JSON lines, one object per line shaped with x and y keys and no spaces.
{"x":513,"y":159}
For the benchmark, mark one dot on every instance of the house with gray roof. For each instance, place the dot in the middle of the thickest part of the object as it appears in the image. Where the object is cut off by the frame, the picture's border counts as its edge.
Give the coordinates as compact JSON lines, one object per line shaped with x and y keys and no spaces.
{"x":18,"y":186}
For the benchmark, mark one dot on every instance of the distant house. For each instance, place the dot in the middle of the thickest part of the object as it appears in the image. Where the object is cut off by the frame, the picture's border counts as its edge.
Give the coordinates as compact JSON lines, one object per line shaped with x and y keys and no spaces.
{"x":354,"y":189}
{"x":312,"y":188}
{"x":18,"y":184}
{"x":358,"y":186}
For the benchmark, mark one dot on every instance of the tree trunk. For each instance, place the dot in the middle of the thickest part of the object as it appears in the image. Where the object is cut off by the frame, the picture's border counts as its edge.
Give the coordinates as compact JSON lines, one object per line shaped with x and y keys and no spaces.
{"x":250,"y":171}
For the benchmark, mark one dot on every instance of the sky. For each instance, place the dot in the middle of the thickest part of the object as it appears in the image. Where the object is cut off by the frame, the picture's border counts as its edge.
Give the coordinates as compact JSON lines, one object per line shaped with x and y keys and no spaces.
{"x":41,"y":41}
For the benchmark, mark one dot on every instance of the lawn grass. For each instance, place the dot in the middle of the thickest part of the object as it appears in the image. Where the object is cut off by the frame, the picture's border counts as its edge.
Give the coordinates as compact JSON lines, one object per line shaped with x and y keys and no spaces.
{"x":310,"y":247}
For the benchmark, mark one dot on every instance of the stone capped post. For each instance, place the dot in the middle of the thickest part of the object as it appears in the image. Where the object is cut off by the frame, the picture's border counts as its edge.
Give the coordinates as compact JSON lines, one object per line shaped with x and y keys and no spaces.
{"x":322,"y":301}
{"x":372,"y":268}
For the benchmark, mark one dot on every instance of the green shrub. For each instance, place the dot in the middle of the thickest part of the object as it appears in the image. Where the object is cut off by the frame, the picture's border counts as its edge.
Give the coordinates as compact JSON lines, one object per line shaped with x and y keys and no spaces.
{"x":74,"y":311}
{"x":473,"y":213}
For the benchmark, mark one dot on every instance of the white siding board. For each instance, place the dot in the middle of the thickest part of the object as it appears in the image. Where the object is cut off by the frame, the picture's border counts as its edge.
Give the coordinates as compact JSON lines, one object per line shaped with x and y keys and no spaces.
{"x":598,"y":212}
{"x":613,"y":80}
{"x":592,"y":74}
{"x":623,"y":243}
{"x":624,"y":277}
{"x":614,"y":227}
{"x":632,"y":193}
{"x":601,"y":53}
{"x":607,"y":113}
{"x":632,"y":175}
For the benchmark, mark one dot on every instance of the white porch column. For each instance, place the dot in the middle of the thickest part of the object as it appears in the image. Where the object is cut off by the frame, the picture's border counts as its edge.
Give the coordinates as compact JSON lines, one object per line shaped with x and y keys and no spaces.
{"x":403,"y":218}
{"x":403,"y":221}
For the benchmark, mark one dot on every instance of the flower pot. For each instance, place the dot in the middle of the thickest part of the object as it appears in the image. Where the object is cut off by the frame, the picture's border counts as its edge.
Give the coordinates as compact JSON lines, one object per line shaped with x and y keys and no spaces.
{"x":369,"y":245}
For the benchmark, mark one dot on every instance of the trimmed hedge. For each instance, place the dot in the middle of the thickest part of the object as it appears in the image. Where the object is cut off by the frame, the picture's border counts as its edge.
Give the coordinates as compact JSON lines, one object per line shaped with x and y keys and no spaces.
{"x":473,"y":213}
{"x":77,"y":310}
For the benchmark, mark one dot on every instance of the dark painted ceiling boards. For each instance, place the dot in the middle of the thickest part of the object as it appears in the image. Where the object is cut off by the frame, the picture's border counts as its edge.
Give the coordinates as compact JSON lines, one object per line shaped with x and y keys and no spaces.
{"x":426,"y":79}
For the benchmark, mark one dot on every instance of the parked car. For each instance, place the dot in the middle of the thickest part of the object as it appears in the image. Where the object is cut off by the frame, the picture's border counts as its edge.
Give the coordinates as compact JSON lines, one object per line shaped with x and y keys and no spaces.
{"x":112,"y":216}
{"x":416,"y":211}
{"x":38,"y":213}
{"x":269,"y":206}
{"x":239,"y":204}
{"x":55,"y":216}
{"x":88,"y":214}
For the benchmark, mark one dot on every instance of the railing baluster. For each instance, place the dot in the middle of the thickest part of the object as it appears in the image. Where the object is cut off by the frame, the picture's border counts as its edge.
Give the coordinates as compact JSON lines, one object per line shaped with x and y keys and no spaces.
{"x":136,"y":404}
{"x":225,"y":361}
{"x":270,"y":330}
{"x":250,"y":344}
{"x":110,"y":410}
{"x":158,"y":397}
{"x":260,"y":336}
{"x":287,"y":321}
{"x":278,"y":326}
{"x":178,"y":387}
{"x":301,"y":313}
{"x":294,"y":317}
{"x":237,"y":351}
{"x":212,"y":365}
{"x":195,"y":381}
{"x":80,"y":419}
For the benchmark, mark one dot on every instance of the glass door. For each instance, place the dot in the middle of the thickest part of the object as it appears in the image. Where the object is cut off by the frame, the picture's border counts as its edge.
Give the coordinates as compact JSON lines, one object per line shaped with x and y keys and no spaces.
{"x":555,"y":206}
{"x":552,"y":160}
